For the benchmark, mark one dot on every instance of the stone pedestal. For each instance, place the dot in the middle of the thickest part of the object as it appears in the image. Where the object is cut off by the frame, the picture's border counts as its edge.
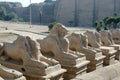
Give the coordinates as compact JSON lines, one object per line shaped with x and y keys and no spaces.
{"x":95,"y":64}
{"x":117,"y":54}
{"x":109,"y":52}
{"x":96,"y":60}
{"x":20,"y":78}
{"x":58,"y":75}
{"x":74,"y":67}
{"x":51,"y":73}
{"x":10,"y":74}
{"x":76,"y":70}
{"x":79,"y":42}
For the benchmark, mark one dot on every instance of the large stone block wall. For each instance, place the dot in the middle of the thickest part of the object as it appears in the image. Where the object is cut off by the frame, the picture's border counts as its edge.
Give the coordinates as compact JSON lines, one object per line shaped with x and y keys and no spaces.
{"x":86,"y":12}
{"x":65,"y":11}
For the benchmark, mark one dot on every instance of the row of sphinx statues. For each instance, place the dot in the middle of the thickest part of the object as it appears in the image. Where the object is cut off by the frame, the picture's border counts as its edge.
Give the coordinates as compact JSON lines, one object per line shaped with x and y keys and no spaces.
{"x":60,"y":55}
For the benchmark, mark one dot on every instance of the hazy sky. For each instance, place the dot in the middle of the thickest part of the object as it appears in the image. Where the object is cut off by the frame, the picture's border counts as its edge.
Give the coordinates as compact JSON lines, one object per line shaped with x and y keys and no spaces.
{"x":24,"y":2}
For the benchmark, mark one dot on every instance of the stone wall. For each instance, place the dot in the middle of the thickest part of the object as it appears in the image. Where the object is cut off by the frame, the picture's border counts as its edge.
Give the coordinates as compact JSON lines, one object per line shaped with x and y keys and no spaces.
{"x":85,"y":12}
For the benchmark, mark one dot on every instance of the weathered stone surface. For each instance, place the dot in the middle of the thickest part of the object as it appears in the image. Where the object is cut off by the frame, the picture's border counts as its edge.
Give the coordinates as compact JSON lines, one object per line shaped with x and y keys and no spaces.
{"x":111,"y":72}
{"x":115,"y":35}
{"x":24,"y":55}
{"x":7,"y":74}
{"x":85,"y":12}
{"x":106,"y":39}
{"x":79,"y":42}
{"x":56,"y":45}
{"x":94,"y":40}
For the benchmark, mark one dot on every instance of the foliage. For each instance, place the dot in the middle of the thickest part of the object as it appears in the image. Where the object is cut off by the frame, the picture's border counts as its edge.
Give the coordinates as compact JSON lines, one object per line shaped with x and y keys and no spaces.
{"x":2,"y":13}
{"x":50,"y":26}
{"x":98,"y":25}
{"x":12,"y":16}
{"x":107,"y":22}
{"x":71,"y":23}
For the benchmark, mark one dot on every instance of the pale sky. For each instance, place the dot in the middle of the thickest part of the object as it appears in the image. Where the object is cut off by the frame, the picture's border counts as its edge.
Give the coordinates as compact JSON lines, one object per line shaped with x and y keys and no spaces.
{"x":24,"y":2}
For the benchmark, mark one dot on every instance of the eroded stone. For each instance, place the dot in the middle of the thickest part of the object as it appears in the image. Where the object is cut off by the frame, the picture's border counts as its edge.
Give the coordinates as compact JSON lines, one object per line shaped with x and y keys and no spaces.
{"x":24,"y":55}
{"x":79,"y":42}
{"x":94,"y":40}
{"x":56,"y":45}
{"x":106,"y":39}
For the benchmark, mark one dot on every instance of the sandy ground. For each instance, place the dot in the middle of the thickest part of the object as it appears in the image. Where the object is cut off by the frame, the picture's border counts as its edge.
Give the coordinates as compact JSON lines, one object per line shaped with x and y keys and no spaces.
{"x":34,"y":31}
{"x":33,"y":28}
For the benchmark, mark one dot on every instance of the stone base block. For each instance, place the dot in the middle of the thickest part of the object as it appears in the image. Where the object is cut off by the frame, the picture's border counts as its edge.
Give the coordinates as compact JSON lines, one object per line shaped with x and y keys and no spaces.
{"x":55,"y":72}
{"x":95,"y":64}
{"x":117,"y":54}
{"x":74,"y":71}
{"x":109,"y":52}
{"x":21,"y":78}
{"x":109,"y":61}
{"x":58,"y":77}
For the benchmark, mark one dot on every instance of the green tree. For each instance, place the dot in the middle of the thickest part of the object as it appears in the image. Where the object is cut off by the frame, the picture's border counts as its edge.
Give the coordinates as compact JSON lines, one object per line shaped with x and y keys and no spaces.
{"x":116,"y":20}
{"x":51,"y":25}
{"x":98,"y":25}
{"x":3,"y":13}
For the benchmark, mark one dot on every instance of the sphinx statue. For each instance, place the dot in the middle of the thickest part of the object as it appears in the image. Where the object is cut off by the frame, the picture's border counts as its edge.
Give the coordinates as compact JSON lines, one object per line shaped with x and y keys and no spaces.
{"x":56,"y":45}
{"x":24,"y":55}
{"x":115,"y":35}
{"x":94,"y":40}
{"x":106,"y":39}
{"x":79,"y":42}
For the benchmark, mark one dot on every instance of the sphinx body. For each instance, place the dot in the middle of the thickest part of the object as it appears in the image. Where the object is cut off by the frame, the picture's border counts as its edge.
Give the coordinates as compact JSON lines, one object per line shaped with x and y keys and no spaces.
{"x":56,"y":45}
{"x":115,"y":35}
{"x":7,"y":73}
{"x":79,"y":42}
{"x":24,"y":55}
{"x":106,"y":38}
{"x":95,"y":40}
{"x":28,"y":50}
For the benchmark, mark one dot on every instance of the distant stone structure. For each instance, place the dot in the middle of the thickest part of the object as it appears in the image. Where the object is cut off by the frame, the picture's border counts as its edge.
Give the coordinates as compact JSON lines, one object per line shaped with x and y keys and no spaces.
{"x":85,"y":12}
{"x":11,"y":4}
{"x":67,"y":12}
{"x":42,"y":13}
